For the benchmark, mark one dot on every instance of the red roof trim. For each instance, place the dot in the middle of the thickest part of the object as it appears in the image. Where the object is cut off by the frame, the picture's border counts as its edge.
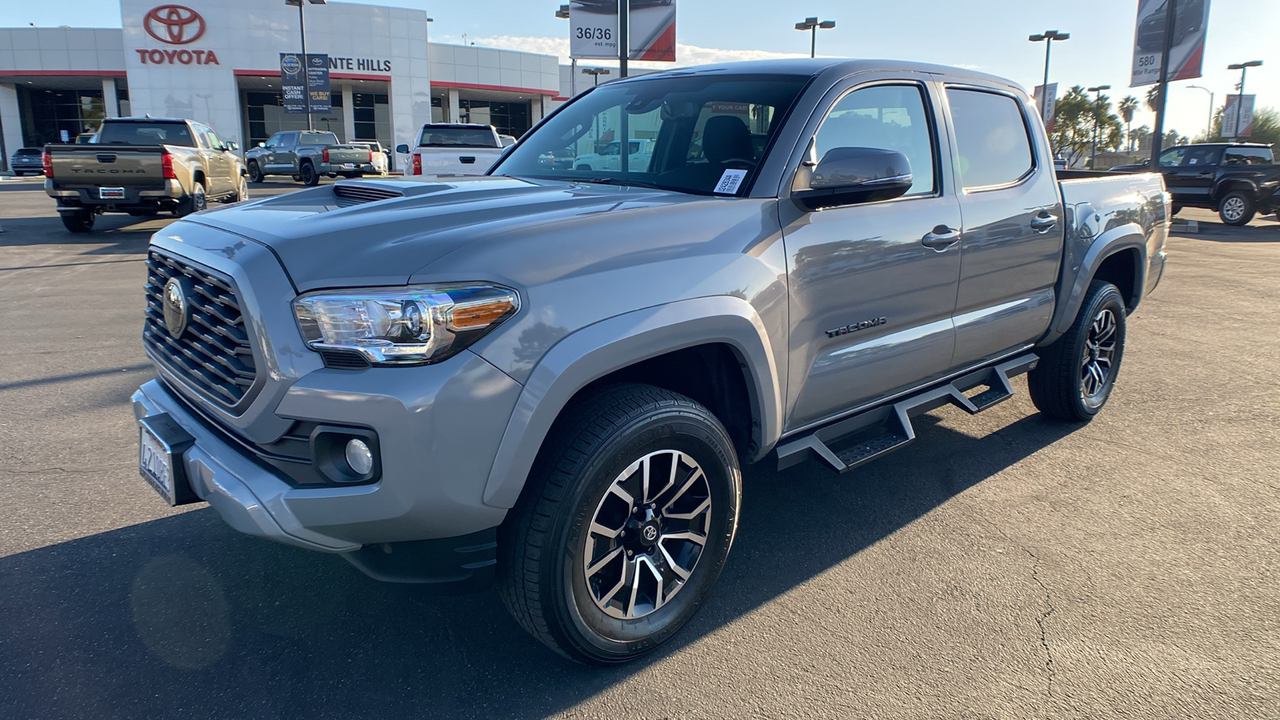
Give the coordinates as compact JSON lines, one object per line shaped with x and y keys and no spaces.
{"x":499,"y":88}
{"x":63,"y":73}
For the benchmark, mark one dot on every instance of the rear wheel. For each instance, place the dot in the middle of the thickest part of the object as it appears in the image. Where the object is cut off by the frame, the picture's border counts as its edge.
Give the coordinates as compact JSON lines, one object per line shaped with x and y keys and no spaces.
{"x":1236,"y":208}
{"x":1077,"y":372}
{"x":80,"y":221}
{"x":255,"y":172}
{"x":195,"y":203}
{"x":624,"y":526}
{"x":307,"y":173}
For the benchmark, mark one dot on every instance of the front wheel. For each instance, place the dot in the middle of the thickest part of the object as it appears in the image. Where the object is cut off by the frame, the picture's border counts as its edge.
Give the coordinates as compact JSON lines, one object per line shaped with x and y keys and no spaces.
{"x":1077,"y":373}
{"x":1236,"y":208}
{"x":255,"y":172}
{"x":80,"y":221}
{"x":308,"y":175}
{"x":624,"y":526}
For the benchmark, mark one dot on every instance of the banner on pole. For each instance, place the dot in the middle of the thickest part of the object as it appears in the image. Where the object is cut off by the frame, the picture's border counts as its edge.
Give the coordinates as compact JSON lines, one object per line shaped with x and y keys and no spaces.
{"x":1191,"y":24}
{"x":593,"y":30}
{"x":1047,"y":107}
{"x":296,"y":81}
{"x":1237,"y":117}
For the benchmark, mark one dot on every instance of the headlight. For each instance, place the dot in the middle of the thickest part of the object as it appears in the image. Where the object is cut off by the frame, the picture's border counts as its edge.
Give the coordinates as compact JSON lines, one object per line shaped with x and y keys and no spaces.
{"x":406,"y":325}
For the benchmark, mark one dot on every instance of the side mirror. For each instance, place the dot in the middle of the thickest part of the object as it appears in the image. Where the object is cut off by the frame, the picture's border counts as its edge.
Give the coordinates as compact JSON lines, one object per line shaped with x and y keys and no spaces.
{"x":262,"y":144}
{"x":402,"y":148}
{"x":849,"y":175}
{"x":231,"y":146}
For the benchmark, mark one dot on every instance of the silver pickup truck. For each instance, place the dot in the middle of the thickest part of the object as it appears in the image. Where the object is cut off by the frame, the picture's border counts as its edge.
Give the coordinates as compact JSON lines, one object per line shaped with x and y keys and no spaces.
{"x":306,"y":156}
{"x":550,"y":378}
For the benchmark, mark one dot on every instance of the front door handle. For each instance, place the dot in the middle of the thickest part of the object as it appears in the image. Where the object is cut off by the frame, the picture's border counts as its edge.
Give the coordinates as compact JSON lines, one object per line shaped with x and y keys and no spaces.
{"x":1043,"y":222}
{"x":941,"y":237}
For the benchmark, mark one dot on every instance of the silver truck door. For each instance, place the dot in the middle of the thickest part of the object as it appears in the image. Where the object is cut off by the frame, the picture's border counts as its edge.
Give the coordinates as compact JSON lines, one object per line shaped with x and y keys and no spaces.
{"x":217,"y":164}
{"x":873,"y":284}
{"x":1011,"y":245}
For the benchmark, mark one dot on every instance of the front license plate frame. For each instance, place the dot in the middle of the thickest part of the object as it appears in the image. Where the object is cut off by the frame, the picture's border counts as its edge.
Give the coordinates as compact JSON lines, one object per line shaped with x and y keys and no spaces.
{"x":161,"y":443}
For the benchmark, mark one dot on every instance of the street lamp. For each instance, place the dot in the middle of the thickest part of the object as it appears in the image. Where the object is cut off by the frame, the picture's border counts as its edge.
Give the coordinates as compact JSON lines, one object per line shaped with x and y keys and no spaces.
{"x":1208,"y":129}
{"x":811,"y":24}
{"x":595,"y":73}
{"x":1240,"y":98}
{"x":1097,"y":120}
{"x":1047,"y":37}
{"x":306,"y":70}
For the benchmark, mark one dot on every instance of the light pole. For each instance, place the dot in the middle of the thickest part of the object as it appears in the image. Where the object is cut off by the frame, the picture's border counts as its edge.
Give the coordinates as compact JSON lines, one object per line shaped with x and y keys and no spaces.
{"x":812,"y":24}
{"x":1047,"y":37}
{"x":306,"y":69}
{"x":1097,"y":120}
{"x":563,"y":14}
{"x":1208,"y":128}
{"x":1240,"y":98}
{"x":595,"y":74}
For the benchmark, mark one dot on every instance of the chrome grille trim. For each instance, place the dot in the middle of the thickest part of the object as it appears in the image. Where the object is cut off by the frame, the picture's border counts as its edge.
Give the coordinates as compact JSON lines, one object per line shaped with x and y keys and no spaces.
{"x":213,"y":356}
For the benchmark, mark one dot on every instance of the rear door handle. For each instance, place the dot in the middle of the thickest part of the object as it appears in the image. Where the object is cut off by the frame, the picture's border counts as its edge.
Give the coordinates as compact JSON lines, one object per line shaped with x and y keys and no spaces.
{"x":941,"y":237}
{"x":1043,"y":222}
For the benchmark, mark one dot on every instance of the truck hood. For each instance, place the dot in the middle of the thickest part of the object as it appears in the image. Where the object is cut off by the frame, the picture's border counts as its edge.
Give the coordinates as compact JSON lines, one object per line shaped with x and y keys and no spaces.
{"x":370,"y":233}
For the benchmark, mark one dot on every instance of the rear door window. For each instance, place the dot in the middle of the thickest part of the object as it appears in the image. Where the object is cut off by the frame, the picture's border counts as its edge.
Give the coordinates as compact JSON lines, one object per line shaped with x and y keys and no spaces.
{"x":992,"y":138}
{"x":1199,"y":156}
{"x":1247,"y":156}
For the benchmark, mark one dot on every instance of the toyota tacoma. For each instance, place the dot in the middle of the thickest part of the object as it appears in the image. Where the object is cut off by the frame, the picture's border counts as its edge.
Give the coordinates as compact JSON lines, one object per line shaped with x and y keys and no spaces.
{"x":549,"y":378}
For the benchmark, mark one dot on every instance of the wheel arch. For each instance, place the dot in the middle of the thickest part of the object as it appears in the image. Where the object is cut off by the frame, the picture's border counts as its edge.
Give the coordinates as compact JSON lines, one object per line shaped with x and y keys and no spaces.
{"x":1230,"y":185}
{"x":1120,"y":255}
{"x":713,"y":335}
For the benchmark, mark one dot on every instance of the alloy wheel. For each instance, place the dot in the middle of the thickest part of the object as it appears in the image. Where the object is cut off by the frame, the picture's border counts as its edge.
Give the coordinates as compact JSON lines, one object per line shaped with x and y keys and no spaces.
{"x":1233,"y":209}
{"x":647,"y":534}
{"x":1099,"y":357}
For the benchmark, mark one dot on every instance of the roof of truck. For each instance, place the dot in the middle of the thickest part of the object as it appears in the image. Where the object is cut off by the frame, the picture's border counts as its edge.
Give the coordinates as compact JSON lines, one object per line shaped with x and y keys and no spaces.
{"x":818,"y":66}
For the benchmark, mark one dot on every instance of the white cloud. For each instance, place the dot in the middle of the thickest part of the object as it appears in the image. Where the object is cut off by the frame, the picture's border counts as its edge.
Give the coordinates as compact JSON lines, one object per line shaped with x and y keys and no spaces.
{"x":685,"y":54}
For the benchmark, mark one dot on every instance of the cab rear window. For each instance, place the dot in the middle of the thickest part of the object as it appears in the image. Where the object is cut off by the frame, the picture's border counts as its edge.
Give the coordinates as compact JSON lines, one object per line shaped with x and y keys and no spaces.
{"x":131,"y":133}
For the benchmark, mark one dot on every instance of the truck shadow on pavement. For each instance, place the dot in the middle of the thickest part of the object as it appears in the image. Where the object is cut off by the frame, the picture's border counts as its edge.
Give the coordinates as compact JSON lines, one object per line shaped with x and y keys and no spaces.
{"x":184,"y":617}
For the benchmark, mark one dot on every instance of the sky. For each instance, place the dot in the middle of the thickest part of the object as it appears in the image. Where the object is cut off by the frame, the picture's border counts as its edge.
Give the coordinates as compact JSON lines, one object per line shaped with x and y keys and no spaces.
{"x":985,"y":35}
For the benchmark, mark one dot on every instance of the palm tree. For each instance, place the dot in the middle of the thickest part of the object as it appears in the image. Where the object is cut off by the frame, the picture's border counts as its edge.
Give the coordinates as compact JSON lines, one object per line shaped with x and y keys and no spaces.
{"x":1127,"y":106}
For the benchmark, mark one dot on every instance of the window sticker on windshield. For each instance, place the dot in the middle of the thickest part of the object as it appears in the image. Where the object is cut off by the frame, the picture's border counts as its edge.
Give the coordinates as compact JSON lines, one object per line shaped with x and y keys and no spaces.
{"x":730,"y":181}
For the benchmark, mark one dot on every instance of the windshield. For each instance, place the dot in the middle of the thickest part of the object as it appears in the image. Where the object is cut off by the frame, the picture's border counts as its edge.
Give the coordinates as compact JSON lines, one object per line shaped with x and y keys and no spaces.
{"x":144,"y":133}
{"x":456,"y":137}
{"x":317,"y":138}
{"x":695,"y":133}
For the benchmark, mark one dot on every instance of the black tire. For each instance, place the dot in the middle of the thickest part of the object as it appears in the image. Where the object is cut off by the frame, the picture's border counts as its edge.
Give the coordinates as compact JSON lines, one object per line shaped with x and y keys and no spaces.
{"x":241,"y":194}
{"x":1175,"y":209}
{"x":583,"y":166}
{"x":1237,"y":208}
{"x":1077,"y":373}
{"x":297,"y":178}
{"x":544,"y":578}
{"x":308,"y":175}
{"x":80,"y":221}
{"x":193,"y":203}
{"x":255,"y":172}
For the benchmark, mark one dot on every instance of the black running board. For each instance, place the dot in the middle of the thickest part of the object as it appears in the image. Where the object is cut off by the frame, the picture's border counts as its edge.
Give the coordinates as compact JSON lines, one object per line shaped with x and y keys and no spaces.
{"x":857,"y":440}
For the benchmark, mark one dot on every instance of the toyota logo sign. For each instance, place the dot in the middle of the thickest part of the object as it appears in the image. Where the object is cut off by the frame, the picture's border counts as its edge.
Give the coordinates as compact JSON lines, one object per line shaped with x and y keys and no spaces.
{"x":174,"y":24}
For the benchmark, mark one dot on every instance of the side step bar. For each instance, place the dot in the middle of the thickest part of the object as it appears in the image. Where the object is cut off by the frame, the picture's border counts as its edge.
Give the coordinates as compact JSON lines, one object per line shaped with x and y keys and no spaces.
{"x":856,"y":440}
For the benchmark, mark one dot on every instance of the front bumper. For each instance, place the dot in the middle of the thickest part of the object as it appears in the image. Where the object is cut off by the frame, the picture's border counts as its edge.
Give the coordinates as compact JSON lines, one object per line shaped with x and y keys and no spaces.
{"x":438,"y":429}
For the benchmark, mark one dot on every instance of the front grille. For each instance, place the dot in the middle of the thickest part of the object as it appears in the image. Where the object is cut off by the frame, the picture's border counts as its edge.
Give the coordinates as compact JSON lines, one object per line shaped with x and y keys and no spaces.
{"x":212,"y":354}
{"x":349,"y":195}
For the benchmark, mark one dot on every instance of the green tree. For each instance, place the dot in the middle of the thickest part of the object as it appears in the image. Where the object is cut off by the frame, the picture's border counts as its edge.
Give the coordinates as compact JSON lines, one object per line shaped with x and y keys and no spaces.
{"x":1075,"y":119}
{"x":1127,"y":106}
{"x":1153,"y":97}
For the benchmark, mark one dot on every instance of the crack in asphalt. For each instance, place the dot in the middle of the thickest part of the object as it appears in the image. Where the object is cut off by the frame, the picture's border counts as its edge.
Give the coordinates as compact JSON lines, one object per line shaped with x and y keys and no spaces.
{"x":37,"y":471}
{"x":1040,"y":621}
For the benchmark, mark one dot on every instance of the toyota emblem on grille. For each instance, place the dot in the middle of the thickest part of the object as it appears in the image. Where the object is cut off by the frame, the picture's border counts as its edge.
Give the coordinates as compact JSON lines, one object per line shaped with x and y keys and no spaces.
{"x":173,"y":24}
{"x":176,"y":308}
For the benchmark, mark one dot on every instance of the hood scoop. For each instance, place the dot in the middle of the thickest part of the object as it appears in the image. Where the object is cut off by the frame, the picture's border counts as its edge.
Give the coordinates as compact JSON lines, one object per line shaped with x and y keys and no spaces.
{"x":357,"y":194}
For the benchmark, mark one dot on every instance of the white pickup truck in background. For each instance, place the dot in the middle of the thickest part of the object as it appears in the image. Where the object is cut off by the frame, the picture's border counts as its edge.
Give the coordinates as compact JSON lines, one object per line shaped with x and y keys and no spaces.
{"x":453,"y":149}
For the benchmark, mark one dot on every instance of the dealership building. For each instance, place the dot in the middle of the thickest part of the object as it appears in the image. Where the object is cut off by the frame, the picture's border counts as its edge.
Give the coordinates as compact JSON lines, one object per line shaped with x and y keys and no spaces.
{"x":218,"y":62}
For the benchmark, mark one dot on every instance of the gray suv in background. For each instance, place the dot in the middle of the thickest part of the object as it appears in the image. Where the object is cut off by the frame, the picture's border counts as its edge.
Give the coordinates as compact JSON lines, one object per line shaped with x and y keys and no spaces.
{"x":550,"y":378}
{"x":27,"y":160}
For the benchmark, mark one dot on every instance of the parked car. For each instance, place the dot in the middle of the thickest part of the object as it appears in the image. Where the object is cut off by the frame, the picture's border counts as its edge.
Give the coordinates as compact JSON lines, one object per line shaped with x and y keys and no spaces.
{"x":306,"y":156}
{"x":376,"y":153}
{"x":1237,"y":180}
{"x":26,"y":160}
{"x":453,"y":149}
{"x":87,"y":138}
{"x":552,"y":378}
{"x":609,"y":157}
{"x":142,"y":166}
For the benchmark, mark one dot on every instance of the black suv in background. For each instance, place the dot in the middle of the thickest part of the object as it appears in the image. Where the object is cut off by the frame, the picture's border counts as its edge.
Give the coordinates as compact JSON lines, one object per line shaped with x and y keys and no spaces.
{"x":1238,"y":180}
{"x":26,"y":160}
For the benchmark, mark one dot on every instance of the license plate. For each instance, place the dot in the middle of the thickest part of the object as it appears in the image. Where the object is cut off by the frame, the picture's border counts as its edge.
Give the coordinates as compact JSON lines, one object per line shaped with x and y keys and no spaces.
{"x":155,"y":463}
{"x":161,"y":443}
{"x":109,"y":193}
{"x":348,"y":166}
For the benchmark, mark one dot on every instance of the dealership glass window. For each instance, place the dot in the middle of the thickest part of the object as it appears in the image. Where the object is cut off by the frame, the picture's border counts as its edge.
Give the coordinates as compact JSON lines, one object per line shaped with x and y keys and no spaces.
{"x":54,"y":113}
{"x":510,"y":118}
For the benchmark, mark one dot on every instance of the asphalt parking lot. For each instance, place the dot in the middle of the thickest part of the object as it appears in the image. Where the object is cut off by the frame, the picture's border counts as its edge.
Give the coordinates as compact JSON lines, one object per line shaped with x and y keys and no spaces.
{"x":1003,"y":566}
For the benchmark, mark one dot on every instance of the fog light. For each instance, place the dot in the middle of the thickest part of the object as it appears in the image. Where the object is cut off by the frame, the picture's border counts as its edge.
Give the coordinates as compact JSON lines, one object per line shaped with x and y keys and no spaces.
{"x":359,"y":457}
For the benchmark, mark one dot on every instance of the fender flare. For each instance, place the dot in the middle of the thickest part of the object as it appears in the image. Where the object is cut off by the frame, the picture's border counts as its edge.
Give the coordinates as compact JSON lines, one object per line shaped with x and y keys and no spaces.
{"x":1117,"y":239}
{"x":1229,"y":185}
{"x":609,"y":345}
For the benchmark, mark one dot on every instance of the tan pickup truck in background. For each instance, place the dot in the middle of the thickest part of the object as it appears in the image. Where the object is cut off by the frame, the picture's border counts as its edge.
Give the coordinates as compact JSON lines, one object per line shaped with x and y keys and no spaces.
{"x":142,"y":166}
